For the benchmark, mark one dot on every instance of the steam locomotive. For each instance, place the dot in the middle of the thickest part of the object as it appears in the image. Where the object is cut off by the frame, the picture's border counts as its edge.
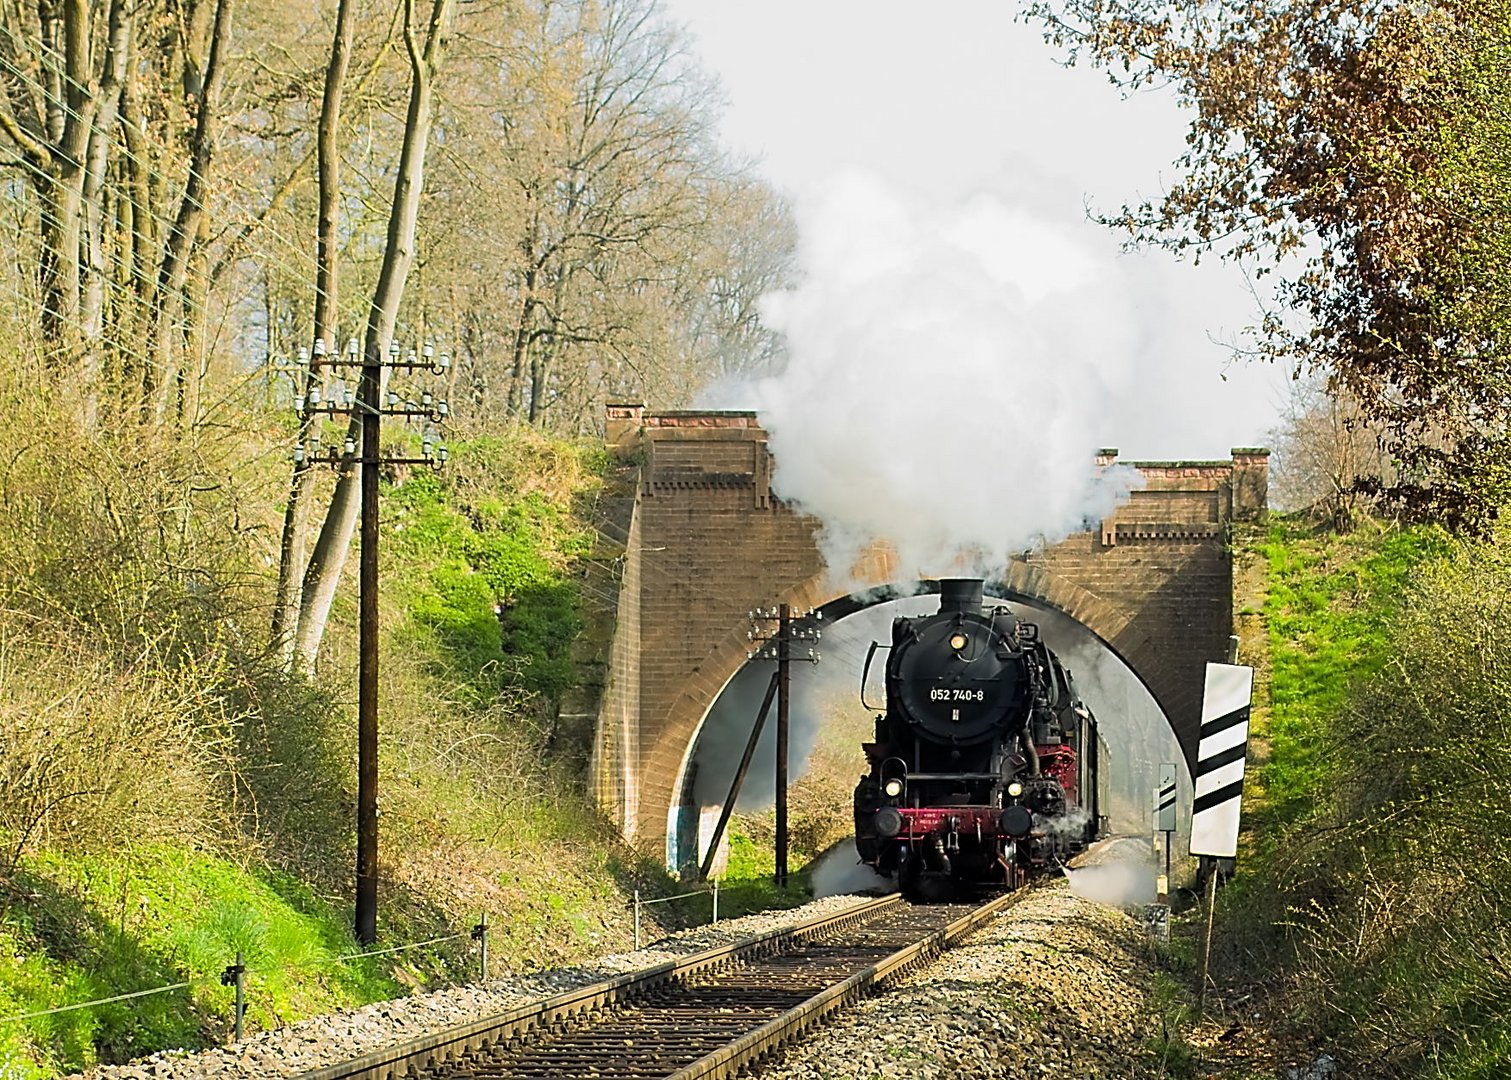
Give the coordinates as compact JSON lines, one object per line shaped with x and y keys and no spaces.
{"x":985,"y":765}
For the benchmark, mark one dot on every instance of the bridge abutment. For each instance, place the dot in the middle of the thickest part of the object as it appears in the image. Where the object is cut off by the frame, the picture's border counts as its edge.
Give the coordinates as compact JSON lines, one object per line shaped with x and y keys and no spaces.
{"x":706,"y":541}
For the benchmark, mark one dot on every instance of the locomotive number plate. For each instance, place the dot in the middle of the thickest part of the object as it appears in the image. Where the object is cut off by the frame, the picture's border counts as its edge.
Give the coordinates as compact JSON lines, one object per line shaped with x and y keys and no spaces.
{"x":943,"y":693}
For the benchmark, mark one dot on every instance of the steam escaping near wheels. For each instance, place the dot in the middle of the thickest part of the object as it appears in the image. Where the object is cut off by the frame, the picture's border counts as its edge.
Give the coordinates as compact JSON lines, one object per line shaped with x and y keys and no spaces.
{"x":1119,"y":871}
{"x":837,"y":873}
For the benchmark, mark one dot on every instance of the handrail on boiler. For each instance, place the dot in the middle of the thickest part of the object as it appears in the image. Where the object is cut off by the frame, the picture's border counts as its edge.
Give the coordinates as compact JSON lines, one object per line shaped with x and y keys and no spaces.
{"x":866,"y":673}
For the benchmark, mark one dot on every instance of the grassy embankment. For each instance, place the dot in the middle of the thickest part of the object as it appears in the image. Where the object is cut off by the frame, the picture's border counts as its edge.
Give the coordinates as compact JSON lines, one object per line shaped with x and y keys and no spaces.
{"x":168,"y":798}
{"x":1369,"y":904}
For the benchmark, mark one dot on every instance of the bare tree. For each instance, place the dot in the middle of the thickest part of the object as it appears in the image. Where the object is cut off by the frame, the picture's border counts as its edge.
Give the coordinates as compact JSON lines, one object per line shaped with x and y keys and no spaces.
{"x":589,"y":222}
{"x":163,"y":374}
{"x":291,"y":556}
{"x":329,"y":555}
{"x":1324,"y":447}
{"x":62,"y":80}
{"x":750,"y":251}
{"x":583,"y":234}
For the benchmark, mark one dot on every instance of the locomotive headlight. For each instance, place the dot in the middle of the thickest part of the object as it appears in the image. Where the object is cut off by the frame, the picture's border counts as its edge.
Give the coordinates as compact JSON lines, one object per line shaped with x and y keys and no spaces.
{"x":1015,"y":789}
{"x":893,"y":788}
{"x":958,"y":641}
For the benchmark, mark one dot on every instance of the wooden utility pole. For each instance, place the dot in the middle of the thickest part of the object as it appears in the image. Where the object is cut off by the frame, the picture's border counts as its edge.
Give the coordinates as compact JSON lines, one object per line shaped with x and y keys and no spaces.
{"x":315,"y":403}
{"x":781,"y":685}
{"x":368,"y":404}
{"x":783,"y":719}
{"x":372,"y":409}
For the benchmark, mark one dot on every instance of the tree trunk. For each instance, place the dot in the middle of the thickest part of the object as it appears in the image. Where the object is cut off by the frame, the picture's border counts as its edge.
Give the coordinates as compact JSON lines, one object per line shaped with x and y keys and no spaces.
{"x":53,"y":138}
{"x":195,"y":368}
{"x":398,"y":255}
{"x":538,"y":362}
{"x":542,"y":356}
{"x":162,"y":369}
{"x":94,"y":261}
{"x":521,"y":351}
{"x":62,"y":197}
{"x":63,"y":190}
{"x":137,"y":165}
{"x":327,"y":281}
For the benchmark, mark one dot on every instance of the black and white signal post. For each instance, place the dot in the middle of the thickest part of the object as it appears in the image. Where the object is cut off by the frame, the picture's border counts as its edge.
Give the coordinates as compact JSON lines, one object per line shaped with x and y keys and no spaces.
{"x":1164,"y":809}
{"x":1220,"y":754}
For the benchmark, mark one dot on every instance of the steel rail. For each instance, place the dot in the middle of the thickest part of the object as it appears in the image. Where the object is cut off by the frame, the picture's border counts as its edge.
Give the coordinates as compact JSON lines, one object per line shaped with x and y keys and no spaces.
{"x":464,"y":1042}
{"x":772,"y":1036}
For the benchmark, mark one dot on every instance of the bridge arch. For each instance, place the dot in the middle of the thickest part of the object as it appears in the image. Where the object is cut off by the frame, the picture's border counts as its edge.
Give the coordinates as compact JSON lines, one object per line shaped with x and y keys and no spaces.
{"x":1023,"y":583}
{"x":705,"y":541}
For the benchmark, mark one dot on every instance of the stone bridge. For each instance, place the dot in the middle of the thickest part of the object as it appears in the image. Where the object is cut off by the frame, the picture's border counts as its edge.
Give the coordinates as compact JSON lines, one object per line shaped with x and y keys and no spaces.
{"x":701,"y":540}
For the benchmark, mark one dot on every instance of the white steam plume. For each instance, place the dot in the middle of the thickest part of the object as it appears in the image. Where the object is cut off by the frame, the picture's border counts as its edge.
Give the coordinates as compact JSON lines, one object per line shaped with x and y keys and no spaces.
{"x":1123,"y":878}
{"x":948,"y":374}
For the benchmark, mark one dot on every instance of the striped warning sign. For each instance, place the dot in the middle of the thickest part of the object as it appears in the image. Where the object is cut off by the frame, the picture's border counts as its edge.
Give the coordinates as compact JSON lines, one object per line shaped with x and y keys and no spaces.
{"x":1164,"y":799}
{"x":1219,"y":759}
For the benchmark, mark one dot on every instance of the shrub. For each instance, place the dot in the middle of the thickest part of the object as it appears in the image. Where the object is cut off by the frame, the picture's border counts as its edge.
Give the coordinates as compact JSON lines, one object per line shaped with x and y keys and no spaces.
{"x":1395,"y":885}
{"x":92,"y":756}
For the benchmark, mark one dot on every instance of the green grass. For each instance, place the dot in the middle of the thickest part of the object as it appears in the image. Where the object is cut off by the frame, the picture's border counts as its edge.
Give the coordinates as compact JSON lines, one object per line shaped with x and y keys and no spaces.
{"x":1372,"y":899}
{"x":479,"y":807}
{"x":98,"y":926}
{"x":748,"y":859}
{"x":459,"y":710}
{"x":749,"y":881}
{"x":1172,"y":1012}
{"x":1330,"y":600}
{"x":1484,"y":1055}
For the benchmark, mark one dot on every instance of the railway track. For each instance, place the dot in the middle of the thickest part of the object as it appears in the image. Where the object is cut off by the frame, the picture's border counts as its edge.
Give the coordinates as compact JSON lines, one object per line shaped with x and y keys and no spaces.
{"x":705,"y":1016}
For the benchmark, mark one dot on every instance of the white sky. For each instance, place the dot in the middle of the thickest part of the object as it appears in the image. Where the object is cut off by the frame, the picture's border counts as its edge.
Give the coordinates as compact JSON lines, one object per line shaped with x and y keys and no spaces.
{"x":947,"y":100}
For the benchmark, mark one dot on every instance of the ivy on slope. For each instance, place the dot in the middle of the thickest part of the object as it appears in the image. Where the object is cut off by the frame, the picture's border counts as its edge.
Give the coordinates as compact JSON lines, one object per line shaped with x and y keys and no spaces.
{"x":482,"y":563}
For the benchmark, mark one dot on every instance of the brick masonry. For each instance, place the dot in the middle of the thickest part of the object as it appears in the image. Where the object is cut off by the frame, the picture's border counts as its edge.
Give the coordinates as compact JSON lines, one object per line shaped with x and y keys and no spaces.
{"x":707,"y":541}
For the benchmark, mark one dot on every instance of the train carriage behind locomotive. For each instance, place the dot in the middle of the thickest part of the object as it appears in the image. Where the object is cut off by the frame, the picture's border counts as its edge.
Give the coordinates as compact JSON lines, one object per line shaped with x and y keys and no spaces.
{"x":985,"y":764}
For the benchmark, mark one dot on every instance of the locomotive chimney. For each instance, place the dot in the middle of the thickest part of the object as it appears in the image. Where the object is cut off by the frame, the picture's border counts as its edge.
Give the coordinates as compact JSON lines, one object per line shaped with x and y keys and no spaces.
{"x":960,"y":594}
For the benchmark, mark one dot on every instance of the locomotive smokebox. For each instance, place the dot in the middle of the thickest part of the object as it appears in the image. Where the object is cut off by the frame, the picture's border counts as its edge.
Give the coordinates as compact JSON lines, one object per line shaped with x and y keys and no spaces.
{"x":960,"y":594}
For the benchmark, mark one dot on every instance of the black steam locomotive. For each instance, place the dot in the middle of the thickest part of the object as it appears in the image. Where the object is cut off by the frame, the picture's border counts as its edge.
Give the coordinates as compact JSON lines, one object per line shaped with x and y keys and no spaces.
{"x":985,"y":765}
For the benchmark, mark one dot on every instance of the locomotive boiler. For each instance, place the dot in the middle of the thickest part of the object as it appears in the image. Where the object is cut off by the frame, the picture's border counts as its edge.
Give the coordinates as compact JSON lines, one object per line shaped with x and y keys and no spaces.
{"x":984,"y":768}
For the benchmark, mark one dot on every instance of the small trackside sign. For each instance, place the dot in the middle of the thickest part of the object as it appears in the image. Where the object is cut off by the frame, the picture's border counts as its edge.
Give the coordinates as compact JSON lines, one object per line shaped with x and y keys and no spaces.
{"x":1164,"y":798}
{"x":1220,"y":760}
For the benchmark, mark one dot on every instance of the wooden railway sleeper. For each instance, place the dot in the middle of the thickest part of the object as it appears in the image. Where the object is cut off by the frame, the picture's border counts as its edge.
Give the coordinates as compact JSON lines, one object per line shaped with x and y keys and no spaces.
{"x":519,"y":1028}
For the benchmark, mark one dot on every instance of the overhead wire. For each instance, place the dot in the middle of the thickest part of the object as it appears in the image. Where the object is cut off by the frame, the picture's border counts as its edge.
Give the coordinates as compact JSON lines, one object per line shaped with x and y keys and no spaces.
{"x":122,"y":152}
{"x":121,"y":271}
{"x":118,"y":257}
{"x":116,"y":261}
